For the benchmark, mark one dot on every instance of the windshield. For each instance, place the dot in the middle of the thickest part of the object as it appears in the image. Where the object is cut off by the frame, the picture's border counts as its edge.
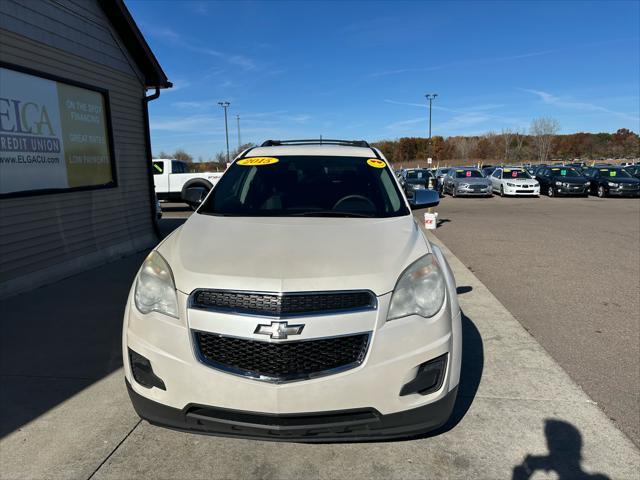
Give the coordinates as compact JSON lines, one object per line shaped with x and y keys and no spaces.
{"x":613,"y":172}
{"x":468,"y":174}
{"x":418,"y":174}
{"x":508,"y":173}
{"x":565,"y":172}
{"x":306,"y":186}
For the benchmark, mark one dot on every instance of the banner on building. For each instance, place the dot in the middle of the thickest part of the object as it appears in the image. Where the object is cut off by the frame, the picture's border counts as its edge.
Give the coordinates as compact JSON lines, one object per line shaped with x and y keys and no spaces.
{"x":54,"y":136}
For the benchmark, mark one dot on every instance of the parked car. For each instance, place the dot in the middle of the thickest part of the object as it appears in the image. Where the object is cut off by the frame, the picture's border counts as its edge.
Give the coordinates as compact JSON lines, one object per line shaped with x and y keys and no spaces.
{"x":606,"y":181}
{"x":416,"y":179}
{"x":513,"y":181}
{"x":172,"y":178}
{"x":562,"y":181}
{"x":300,"y":302}
{"x":466,"y":181}
{"x":439,"y":175}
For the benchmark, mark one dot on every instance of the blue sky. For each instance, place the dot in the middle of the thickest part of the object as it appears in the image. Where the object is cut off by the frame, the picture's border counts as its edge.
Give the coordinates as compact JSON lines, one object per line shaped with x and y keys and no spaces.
{"x":361,"y":69}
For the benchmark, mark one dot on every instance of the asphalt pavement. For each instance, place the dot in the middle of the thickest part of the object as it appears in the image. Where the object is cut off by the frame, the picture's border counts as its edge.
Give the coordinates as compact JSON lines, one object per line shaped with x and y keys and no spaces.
{"x":65,"y":413}
{"x":569,"y":270}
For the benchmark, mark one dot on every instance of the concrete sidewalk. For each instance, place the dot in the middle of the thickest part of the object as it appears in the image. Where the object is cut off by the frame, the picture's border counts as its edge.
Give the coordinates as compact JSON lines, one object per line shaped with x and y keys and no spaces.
{"x":518,"y":413}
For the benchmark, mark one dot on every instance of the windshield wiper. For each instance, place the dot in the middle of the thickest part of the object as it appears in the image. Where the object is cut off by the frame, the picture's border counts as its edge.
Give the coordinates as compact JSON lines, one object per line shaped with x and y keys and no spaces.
{"x":330,"y":213}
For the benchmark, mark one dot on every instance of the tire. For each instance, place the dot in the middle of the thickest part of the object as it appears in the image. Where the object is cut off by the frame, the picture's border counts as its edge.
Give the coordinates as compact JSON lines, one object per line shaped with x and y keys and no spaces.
{"x":601,"y":192}
{"x":550,"y":192}
{"x":453,"y":192}
{"x":502,"y":191}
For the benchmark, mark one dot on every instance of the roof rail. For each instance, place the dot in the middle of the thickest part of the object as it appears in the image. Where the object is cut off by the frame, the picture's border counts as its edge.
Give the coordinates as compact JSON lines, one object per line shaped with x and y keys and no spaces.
{"x":319,"y":141}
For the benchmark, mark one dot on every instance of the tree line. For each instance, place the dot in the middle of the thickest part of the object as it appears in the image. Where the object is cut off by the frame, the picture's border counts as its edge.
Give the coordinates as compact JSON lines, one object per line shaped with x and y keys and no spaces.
{"x":539,"y":144}
{"x":513,"y":146}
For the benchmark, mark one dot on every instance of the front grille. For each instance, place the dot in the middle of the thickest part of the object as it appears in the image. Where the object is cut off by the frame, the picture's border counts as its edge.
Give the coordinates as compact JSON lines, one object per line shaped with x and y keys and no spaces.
{"x":477,"y":188}
{"x":282,"y":305}
{"x":281,"y":362}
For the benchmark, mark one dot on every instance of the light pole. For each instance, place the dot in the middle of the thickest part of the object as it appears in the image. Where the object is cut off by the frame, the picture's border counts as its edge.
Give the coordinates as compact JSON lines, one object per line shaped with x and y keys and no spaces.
{"x":239,"y":141}
{"x":430,"y":97}
{"x":225,"y":105}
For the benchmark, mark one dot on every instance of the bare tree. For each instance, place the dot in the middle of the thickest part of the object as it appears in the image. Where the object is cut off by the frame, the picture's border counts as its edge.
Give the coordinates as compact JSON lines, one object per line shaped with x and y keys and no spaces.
{"x":543,"y":130}
{"x":464,"y":146}
{"x":507,"y":138}
{"x":182,"y":156}
{"x":518,"y":136}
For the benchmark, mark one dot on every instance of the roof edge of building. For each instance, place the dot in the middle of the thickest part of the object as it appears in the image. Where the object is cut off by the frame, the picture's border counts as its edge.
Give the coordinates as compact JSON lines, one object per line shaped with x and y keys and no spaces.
{"x":119,"y":15}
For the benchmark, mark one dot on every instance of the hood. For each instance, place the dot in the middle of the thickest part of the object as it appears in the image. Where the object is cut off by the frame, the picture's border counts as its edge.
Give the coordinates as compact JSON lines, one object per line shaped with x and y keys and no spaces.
{"x":292,"y":254}
{"x":560,"y":178}
{"x":621,"y":180}
{"x":473,"y":181}
{"x":520,"y":180}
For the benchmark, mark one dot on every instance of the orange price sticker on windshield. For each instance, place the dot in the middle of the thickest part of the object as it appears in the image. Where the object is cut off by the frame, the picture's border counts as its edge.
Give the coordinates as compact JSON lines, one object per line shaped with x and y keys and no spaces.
{"x":376,"y":163}
{"x":257,"y":161}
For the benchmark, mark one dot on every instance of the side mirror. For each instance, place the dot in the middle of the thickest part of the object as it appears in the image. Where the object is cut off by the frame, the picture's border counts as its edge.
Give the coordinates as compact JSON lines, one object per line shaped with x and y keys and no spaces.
{"x":194,"y":195}
{"x":424,"y":199}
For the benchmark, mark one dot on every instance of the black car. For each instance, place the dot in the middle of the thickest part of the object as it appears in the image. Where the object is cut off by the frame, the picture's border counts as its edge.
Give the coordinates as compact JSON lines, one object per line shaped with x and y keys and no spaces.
{"x":616,"y":181}
{"x":415,"y":179}
{"x":562,"y":181}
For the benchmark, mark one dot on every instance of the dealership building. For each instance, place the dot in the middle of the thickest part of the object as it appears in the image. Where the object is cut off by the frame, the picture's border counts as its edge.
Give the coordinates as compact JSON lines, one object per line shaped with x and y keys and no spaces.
{"x":76,"y":189}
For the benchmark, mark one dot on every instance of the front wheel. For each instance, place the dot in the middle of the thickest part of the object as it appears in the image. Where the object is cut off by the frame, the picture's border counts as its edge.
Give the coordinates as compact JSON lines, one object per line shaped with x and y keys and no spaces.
{"x":601,"y":192}
{"x":501,"y":191}
{"x":550,"y":191}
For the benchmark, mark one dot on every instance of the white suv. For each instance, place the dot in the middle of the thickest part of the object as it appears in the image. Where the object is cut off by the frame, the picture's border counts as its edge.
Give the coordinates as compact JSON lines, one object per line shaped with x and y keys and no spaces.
{"x":301,"y":301}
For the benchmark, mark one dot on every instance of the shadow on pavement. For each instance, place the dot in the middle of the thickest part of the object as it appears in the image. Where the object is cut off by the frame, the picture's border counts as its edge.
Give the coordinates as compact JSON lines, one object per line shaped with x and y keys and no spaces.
{"x":564,"y":443}
{"x":59,"y":339}
{"x":470,"y":374}
{"x":463,"y":289}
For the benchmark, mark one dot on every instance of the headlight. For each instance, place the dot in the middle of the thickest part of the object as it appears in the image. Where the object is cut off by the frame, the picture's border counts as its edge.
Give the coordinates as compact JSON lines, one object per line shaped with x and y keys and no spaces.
{"x":511,"y":184}
{"x":611,"y":184}
{"x":419,"y":291}
{"x":588,"y":184}
{"x":558,"y":184}
{"x":155,"y":288}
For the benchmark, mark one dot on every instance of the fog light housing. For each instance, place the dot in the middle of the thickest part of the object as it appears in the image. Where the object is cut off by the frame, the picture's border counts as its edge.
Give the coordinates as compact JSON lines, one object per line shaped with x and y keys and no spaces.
{"x":143,"y":372}
{"x":429,"y":378}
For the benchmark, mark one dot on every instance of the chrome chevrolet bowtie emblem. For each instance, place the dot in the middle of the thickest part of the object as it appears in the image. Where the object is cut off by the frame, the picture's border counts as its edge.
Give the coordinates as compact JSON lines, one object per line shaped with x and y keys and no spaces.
{"x":279,"y":330}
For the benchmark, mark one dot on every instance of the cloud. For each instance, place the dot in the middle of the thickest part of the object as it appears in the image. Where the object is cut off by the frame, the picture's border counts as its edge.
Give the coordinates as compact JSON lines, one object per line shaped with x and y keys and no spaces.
{"x":496,"y":59}
{"x":551,"y":99}
{"x":176,"y":39}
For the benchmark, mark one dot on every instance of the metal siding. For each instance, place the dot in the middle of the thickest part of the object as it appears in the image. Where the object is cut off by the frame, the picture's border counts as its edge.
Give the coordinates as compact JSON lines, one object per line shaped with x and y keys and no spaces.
{"x":45,"y":237}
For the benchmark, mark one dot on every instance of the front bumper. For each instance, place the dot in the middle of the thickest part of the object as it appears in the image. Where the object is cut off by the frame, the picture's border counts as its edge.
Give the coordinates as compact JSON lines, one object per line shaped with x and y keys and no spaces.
{"x":395,"y":359}
{"x":534,"y":191}
{"x":328,"y":426}
{"x":621,"y":192}
{"x":462,"y":191}
{"x":571,"y":190}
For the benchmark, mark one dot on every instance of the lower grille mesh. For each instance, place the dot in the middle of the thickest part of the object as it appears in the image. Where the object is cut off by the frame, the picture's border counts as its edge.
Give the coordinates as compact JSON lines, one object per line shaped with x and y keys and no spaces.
{"x":282,"y":361}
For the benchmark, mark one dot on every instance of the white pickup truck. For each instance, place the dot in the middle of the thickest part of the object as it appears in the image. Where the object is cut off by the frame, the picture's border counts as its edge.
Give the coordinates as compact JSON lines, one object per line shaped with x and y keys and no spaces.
{"x":171,"y":178}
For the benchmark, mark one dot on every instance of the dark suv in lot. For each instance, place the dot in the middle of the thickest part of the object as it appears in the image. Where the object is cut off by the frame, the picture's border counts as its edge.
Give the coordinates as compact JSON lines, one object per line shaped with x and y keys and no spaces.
{"x":616,"y":181}
{"x":562,"y":181}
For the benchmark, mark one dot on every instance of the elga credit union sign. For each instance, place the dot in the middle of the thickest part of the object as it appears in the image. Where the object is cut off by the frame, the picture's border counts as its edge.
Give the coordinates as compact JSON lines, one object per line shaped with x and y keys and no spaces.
{"x":53,"y":135}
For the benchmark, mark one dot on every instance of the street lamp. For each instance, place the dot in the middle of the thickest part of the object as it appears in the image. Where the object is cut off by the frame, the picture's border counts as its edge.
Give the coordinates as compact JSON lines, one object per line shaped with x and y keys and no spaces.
{"x":430,"y":97}
{"x":225,"y":105}
{"x":239,"y":141}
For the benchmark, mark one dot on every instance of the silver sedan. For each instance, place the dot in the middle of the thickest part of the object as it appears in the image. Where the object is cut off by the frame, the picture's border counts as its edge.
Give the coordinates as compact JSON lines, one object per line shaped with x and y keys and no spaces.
{"x":466,"y":181}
